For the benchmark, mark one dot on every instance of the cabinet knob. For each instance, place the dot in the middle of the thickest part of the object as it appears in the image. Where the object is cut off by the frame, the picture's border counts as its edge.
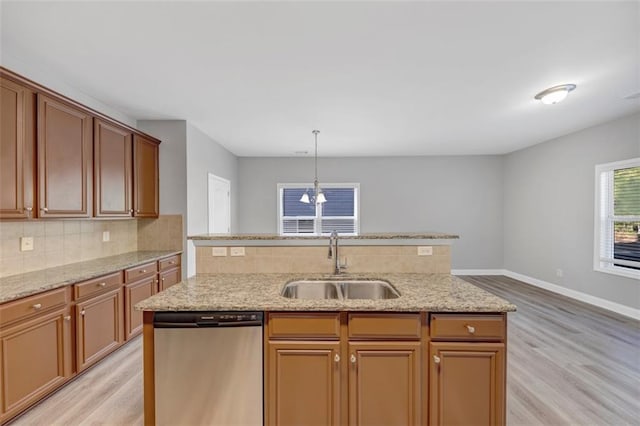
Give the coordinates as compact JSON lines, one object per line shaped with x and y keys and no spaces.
{"x":82,"y":312}
{"x":130,"y":210}
{"x":137,"y":211}
{"x":102,"y":284}
{"x":144,"y":271}
{"x":67,"y":318}
{"x":436,"y":359}
{"x":470,"y":329}
{"x":28,"y":210}
{"x":44,"y":209}
{"x":162,"y":279}
{"x":336,"y":358}
{"x":172,"y":262}
{"x":353,"y":359}
{"x":37,"y":306}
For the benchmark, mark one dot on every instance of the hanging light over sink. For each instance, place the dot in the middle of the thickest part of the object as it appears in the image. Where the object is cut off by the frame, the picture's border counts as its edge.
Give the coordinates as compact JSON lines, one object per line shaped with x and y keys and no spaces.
{"x":318,"y":196}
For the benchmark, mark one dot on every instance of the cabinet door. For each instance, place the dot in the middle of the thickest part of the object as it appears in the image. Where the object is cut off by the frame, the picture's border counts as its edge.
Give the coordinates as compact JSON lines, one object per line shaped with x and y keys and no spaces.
{"x":17,"y":153}
{"x":65,"y":160}
{"x":134,"y":293}
{"x":169,"y":278}
{"x":36,"y":358}
{"x":384,"y":383}
{"x":145,"y":177}
{"x":303,"y":382}
{"x":99,"y":327}
{"x":467,"y":383}
{"x":113,"y":186}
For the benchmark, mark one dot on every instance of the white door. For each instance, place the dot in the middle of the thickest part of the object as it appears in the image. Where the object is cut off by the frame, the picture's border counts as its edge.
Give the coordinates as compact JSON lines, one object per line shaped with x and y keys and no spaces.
{"x":219,"y":205}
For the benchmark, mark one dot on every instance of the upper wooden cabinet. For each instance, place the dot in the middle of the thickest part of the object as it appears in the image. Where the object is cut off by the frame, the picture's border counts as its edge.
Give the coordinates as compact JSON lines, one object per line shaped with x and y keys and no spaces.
{"x":113,"y":185}
{"x":65,"y":160}
{"x":145,"y":177}
{"x":17,"y":151}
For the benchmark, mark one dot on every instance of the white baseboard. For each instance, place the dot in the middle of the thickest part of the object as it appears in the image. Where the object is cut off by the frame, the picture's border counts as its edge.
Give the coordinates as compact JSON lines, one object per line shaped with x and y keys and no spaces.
{"x":478,"y":272}
{"x":574,"y":294}
{"x":577,"y":295}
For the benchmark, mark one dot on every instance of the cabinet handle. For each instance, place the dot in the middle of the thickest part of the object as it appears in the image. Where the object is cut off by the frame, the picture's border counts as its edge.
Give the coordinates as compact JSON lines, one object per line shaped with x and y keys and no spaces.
{"x":172,"y":262}
{"x":82,"y":312}
{"x":336,"y":358}
{"x":436,"y":359}
{"x":162,"y":279}
{"x":44,"y":209}
{"x":67,"y":318}
{"x":144,"y":271}
{"x":137,"y":211}
{"x":29,"y":211}
{"x":130,"y":210}
{"x":37,"y":306}
{"x":470,"y":329}
{"x":353,"y":359}
{"x":102,"y":284}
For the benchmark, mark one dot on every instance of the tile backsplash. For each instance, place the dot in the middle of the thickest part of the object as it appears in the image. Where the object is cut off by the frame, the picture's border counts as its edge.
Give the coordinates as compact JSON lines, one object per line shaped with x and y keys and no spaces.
{"x":60,"y":242}
{"x":295,"y":259}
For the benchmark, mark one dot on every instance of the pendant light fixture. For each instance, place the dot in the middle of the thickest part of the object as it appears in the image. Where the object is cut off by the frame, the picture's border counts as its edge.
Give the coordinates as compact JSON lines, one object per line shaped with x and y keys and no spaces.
{"x":318,"y":196}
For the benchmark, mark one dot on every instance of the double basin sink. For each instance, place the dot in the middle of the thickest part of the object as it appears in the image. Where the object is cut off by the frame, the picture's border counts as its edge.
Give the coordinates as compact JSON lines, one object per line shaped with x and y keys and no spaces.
{"x":342,"y":289}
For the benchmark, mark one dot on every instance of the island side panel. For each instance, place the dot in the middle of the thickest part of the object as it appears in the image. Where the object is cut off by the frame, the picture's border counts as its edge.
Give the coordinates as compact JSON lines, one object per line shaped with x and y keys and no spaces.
{"x":148,"y":369}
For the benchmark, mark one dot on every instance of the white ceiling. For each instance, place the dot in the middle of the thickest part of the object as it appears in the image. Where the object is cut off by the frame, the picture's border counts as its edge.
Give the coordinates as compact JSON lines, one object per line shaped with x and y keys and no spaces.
{"x":377,"y":78}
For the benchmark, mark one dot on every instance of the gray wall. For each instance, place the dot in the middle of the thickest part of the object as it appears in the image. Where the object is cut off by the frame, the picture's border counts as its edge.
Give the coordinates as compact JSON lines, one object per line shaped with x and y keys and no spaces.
{"x":204,"y":156}
{"x":549,"y":209}
{"x":461,"y":195}
{"x":173,"y":170}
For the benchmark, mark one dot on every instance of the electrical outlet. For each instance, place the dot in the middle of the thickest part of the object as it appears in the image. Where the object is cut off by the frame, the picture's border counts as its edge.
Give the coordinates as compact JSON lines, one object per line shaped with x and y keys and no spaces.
{"x":425,"y":251}
{"x":559,"y":272}
{"x":26,"y":244}
{"x":237,"y":251}
{"x":218,"y":251}
{"x":106,"y":236}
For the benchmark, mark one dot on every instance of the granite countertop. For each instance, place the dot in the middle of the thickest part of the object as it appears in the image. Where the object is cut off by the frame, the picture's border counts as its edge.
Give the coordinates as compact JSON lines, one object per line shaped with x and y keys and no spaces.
{"x":261,"y":292}
{"x":22,"y":285}
{"x":370,"y":236}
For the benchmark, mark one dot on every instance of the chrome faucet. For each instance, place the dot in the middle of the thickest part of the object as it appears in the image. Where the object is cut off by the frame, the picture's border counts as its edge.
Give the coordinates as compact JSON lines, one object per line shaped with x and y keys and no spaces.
{"x":333,"y":252}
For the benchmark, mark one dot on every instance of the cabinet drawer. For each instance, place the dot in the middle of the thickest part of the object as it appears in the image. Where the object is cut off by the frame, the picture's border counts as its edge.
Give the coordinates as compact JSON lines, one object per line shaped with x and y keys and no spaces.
{"x":32,"y":305}
{"x":372,"y":326}
{"x":314,"y":326}
{"x":97,"y":285}
{"x":142,"y":271}
{"x":169,"y":262}
{"x":467,"y":327}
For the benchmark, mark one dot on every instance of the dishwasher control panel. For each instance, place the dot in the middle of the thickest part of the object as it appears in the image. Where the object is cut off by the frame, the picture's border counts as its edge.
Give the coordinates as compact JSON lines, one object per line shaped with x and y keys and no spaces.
{"x":206,"y":319}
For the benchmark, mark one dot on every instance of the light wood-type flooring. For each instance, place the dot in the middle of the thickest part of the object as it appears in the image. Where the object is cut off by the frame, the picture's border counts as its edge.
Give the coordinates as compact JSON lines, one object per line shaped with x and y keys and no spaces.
{"x":568,"y":364}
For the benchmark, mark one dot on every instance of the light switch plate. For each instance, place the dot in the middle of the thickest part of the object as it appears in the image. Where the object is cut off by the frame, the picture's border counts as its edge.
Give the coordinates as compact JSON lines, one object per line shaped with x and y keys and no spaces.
{"x":425,"y":251}
{"x":26,"y":244}
{"x":106,"y":236}
{"x":218,"y":251}
{"x":237,"y":251}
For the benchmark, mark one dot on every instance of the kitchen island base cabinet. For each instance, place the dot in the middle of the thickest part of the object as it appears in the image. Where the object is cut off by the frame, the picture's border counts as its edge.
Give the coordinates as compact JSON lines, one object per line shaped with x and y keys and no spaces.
{"x":99,"y":328}
{"x":36,"y":359}
{"x":304,"y":386}
{"x":134,"y":293}
{"x":384,"y":383}
{"x":467,"y":383}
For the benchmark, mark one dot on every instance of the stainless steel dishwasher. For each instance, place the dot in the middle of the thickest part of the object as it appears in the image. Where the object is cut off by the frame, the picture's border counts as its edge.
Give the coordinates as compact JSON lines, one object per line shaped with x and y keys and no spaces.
{"x":208,"y":368}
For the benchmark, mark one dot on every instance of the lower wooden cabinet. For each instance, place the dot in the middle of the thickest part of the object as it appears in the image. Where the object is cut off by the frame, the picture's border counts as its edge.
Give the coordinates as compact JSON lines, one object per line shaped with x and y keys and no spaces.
{"x":384,"y":383}
{"x":134,"y":293}
{"x":36,"y":356}
{"x":304,"y":383}
{"x":169,"y":278}
{"x":467,"y":383}
{"x":99,"y":327}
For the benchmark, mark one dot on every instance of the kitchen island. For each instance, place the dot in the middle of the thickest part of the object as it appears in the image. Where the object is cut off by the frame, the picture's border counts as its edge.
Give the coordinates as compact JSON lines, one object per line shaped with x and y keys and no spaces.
{"x":436,"y":354}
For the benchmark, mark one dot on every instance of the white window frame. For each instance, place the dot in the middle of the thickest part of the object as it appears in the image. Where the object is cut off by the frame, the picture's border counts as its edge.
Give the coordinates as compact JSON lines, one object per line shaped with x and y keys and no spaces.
{"x":604,"y":219}
{"x":318,"y":217}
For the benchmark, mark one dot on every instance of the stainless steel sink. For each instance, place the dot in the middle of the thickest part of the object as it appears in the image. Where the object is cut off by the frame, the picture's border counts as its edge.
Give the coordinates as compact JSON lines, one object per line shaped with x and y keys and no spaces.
{"x":364,"y":289}
{"x":311,"y":290}
{"x":339,"y":289}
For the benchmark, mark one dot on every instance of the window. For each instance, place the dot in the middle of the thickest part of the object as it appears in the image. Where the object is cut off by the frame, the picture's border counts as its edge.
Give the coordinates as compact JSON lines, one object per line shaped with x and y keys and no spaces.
{"x":617,"y":218}
{"x":339,"y":212}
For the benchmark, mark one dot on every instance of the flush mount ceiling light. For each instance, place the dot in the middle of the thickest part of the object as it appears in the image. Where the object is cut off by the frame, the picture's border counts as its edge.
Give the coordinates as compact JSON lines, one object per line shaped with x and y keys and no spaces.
{"x":318,"y":196}
{"x":555,"y":94}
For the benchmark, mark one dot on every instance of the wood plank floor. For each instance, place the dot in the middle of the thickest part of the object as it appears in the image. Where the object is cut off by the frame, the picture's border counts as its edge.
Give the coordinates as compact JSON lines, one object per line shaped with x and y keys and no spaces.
{"x":568,"y":364}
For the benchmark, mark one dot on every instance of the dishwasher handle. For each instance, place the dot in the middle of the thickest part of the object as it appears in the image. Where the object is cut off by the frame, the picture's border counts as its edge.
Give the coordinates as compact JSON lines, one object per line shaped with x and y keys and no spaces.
{"x":207,"y":319}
